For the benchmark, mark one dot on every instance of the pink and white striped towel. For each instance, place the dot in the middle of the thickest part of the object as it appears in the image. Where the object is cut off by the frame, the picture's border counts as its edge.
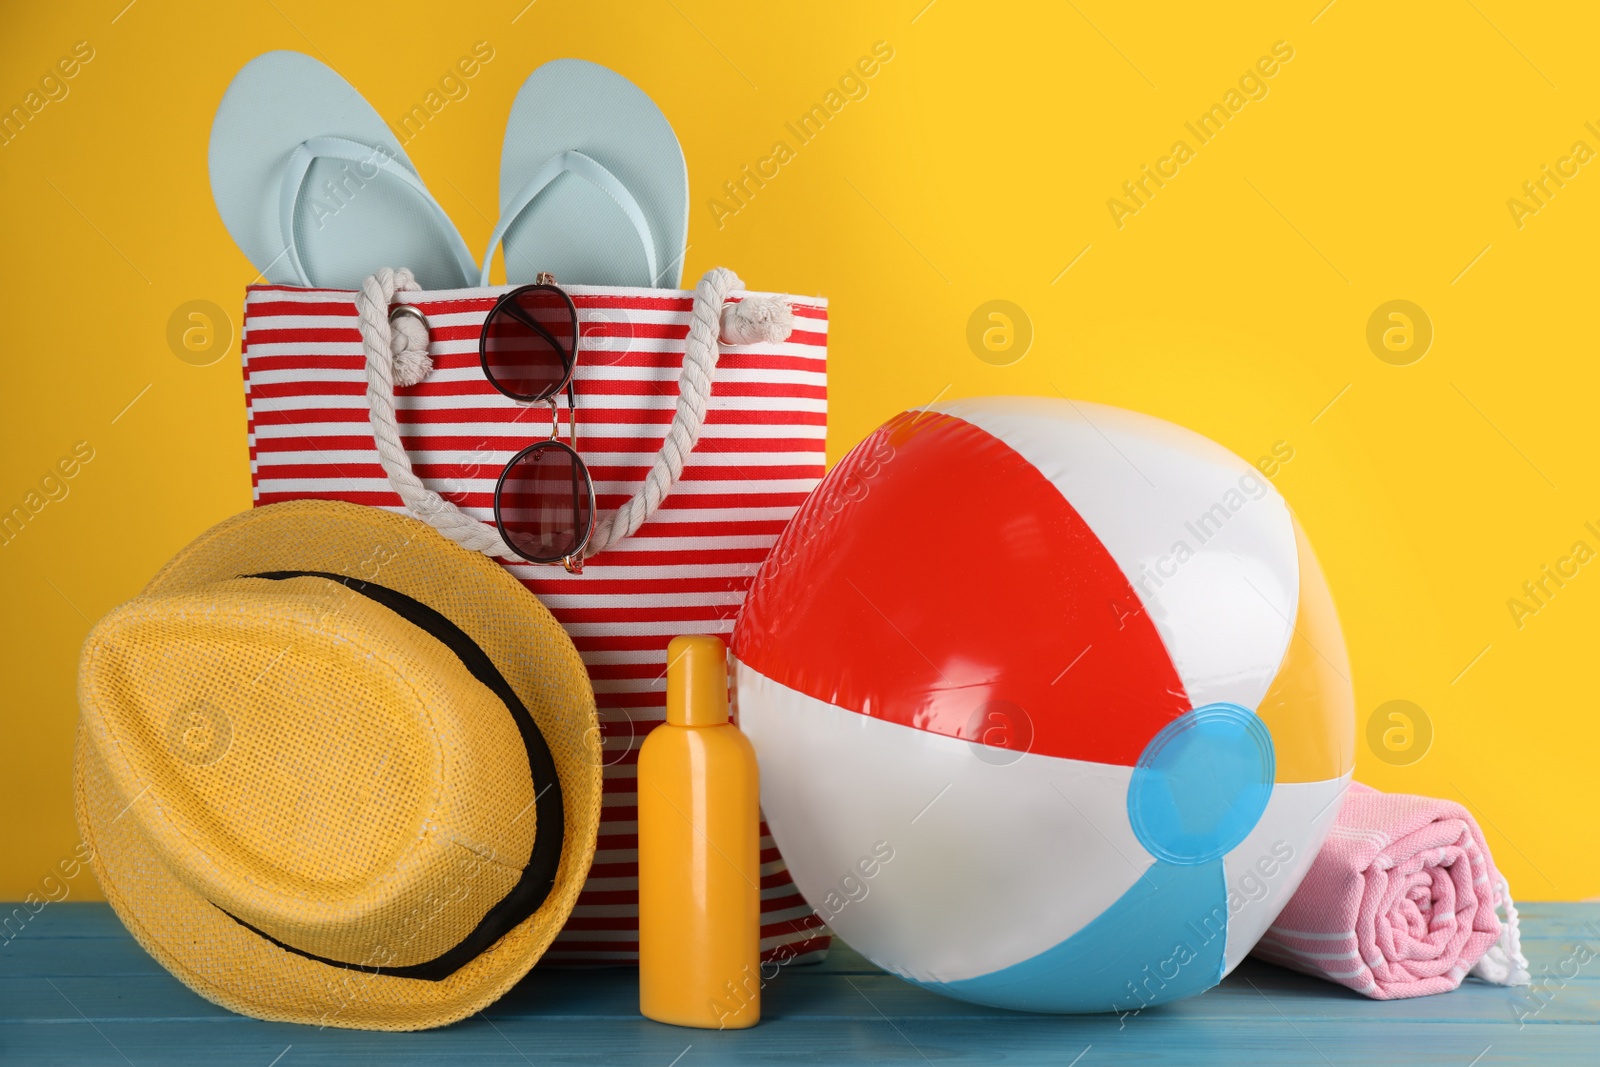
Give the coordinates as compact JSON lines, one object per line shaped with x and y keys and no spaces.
{"x":1400,"y":902}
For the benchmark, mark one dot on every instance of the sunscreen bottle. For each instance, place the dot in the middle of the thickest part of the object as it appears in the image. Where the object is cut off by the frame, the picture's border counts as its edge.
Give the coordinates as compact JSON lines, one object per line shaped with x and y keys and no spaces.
{"x":699,"y":852}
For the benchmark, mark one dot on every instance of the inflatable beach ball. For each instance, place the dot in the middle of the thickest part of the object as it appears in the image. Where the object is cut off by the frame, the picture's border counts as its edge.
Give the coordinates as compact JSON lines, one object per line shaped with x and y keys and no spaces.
{"x":1051,"y":702}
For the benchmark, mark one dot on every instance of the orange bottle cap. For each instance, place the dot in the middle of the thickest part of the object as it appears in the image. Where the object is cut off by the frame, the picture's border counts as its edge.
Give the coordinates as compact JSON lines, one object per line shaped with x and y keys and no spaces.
{"x":697,"y":681}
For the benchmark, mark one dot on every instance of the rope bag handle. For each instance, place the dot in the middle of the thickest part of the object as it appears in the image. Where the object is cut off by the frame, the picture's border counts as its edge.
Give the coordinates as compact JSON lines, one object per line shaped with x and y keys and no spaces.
{"x":397,"y":354}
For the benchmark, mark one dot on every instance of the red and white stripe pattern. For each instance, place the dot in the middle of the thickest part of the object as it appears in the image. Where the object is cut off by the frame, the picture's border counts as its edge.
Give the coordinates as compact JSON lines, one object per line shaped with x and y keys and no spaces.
{"x":687,"y":568}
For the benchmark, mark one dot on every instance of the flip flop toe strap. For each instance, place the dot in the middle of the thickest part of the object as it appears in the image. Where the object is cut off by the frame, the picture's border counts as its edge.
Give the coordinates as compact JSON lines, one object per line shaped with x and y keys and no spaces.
{"x":576,"y":163}
{"x":370,"y":161}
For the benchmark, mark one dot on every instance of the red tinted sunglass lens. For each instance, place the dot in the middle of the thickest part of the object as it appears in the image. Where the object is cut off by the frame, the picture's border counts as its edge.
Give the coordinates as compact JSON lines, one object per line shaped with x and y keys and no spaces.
{"x":530,"y":341}
{"x":544,"y":503}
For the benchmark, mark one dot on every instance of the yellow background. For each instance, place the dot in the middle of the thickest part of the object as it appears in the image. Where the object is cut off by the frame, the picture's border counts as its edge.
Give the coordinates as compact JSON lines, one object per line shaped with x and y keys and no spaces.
{"x":977,"y":168}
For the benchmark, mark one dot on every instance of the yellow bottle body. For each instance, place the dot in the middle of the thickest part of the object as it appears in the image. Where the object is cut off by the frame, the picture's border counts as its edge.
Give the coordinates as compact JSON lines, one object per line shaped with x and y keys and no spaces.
{"x":699,"y":853}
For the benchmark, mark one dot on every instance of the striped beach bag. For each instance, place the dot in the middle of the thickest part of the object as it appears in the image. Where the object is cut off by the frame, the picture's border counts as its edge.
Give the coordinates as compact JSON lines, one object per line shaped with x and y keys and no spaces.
{"x":685,"y":569}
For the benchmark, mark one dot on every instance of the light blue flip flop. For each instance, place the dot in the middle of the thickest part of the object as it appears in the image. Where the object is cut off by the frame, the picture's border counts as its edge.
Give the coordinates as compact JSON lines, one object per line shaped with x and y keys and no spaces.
{"x":593,"y":186}
{"x":315,"y":189}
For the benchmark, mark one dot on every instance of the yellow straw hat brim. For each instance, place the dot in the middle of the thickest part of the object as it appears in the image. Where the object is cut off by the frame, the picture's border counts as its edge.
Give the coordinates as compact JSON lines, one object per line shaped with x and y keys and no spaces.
{"x":234,"y":965}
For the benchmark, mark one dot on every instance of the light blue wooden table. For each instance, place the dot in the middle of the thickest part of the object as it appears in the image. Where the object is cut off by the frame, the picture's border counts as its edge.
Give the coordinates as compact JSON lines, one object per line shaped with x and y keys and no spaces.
{"x":76,"y":990}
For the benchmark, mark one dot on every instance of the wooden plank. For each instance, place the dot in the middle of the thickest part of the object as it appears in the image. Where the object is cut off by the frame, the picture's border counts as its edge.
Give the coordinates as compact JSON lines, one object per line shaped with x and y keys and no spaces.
{"x":67,"y":918}
{"x":1023,"y":1040}
{"x":30,"y":953}
{"x":76,"y":989}
{"x":1256,"y":991}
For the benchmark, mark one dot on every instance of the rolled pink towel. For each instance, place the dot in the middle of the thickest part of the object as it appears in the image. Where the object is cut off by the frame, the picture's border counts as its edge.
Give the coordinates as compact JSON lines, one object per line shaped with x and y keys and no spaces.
{"x":1400,"y":902}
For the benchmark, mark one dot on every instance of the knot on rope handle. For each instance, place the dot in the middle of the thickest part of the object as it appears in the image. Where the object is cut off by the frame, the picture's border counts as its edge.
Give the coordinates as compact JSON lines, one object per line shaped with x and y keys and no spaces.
{"x":409,"y":339}
{"x":756,"y":320}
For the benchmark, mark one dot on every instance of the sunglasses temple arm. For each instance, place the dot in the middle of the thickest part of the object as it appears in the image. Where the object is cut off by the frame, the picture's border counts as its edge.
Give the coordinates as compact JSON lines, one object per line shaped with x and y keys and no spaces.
{"x":521,"y":316}
{"x":577,"y":501}
{"x":572,"y":416}
{"x":578,"y":488}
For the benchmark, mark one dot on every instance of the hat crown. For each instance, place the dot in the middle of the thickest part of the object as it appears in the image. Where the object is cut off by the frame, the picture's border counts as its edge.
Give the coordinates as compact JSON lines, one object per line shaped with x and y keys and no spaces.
{"x":318,"y":767}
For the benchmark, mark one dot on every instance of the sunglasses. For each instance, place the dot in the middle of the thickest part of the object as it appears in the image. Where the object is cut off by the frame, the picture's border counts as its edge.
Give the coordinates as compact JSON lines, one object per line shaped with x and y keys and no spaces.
{"x":544,"y":499}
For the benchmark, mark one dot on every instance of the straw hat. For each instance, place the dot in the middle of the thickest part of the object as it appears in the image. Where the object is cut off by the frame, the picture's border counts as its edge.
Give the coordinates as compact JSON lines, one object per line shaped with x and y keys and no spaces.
{"x":336,"y":770}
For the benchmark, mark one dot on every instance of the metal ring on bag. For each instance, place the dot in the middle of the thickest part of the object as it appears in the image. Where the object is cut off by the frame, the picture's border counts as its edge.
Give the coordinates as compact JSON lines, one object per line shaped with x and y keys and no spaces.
{"x":408,"y":309}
